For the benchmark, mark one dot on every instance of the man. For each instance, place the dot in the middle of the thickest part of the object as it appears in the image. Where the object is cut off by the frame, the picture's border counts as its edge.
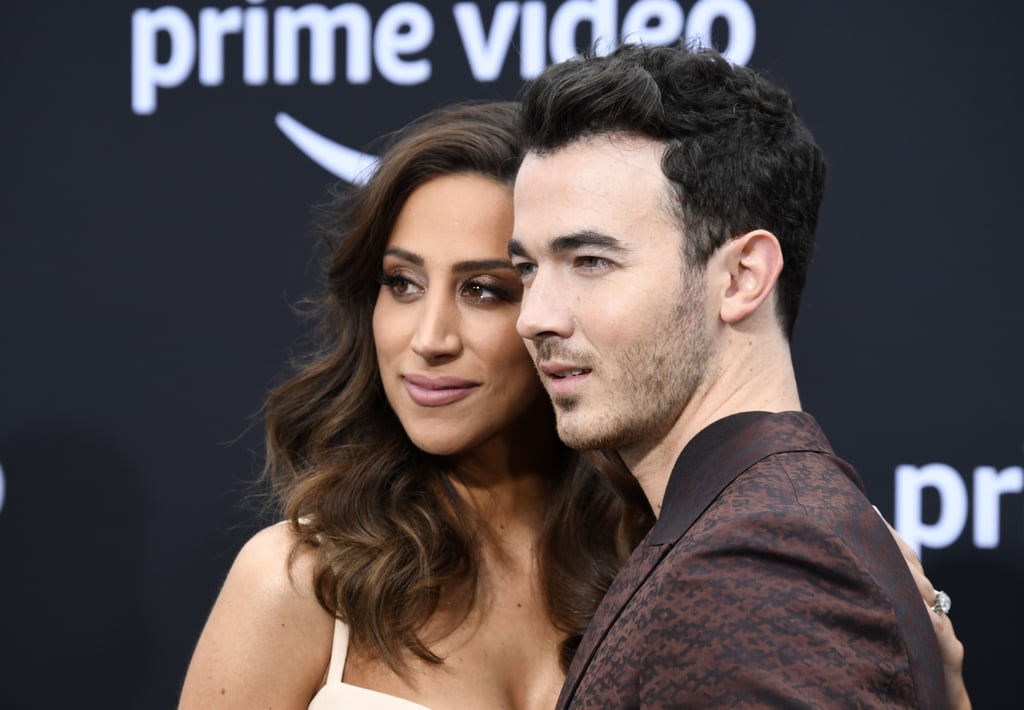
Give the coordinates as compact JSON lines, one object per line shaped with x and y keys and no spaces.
{"x":664,"y":221}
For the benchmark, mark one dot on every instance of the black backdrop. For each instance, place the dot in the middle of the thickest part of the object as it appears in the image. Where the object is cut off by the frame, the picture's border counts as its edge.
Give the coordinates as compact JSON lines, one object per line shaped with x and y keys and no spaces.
{"x":148,"y":260}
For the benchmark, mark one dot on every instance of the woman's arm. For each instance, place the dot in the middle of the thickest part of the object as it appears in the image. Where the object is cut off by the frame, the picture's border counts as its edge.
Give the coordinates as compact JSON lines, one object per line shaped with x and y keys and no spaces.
{"x":267,"y":641}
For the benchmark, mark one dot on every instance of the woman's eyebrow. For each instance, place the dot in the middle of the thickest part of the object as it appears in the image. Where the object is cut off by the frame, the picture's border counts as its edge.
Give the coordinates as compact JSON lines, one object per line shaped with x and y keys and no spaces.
{"x":405,"y":255}
{"x":482,"y":265}
{"x":459,"y":267}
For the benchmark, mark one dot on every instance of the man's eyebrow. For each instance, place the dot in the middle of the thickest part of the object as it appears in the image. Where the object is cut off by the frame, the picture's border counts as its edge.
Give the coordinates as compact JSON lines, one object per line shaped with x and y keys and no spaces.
{"x":585,"y":238}
{"x":516,"y":248}
{"x":572,"y":242}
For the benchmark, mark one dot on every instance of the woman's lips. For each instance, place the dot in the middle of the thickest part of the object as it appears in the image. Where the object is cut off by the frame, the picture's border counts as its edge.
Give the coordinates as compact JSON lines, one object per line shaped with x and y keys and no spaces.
{"x":437,"y":391}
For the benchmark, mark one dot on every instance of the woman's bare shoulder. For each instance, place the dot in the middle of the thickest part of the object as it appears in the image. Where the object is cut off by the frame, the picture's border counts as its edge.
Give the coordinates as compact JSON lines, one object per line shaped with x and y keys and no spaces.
{"x":267,"y":639}
{"x":271,"y":561}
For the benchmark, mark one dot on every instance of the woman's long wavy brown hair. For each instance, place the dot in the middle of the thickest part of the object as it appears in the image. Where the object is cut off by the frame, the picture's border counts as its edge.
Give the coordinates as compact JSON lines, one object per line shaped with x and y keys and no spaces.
{"x":388,"y":527}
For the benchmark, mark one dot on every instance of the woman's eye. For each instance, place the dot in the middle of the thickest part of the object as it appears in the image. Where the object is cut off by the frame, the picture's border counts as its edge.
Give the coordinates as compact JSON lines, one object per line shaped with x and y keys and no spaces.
{"x":481,"y":292}
{"x":485,"y":292}
{"x":400,"y":286}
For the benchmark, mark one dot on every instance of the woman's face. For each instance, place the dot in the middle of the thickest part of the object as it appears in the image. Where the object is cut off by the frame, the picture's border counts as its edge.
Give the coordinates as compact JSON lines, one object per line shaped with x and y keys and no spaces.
{"x":453,"y":367}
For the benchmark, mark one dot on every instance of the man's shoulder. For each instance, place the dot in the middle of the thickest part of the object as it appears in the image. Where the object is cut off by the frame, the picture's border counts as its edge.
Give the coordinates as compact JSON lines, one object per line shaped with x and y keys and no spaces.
{"x":775,"y":591}
{"x":804,"y":503}
{"x":813,"y":481}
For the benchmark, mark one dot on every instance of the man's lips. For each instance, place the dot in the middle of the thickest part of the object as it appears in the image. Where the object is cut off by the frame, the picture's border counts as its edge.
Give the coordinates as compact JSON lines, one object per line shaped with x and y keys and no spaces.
{"x":561,"y":379}
{"x":437,"y":391}
{"x":561,"y":372}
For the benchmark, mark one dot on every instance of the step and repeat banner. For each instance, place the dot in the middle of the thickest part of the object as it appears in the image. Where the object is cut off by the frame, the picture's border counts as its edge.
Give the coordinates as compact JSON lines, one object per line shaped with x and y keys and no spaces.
{"x":160,"y":164}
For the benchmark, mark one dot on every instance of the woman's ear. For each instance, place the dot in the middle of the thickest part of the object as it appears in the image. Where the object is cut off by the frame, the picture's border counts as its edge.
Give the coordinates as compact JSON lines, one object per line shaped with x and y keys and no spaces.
{"x":754,"y":262}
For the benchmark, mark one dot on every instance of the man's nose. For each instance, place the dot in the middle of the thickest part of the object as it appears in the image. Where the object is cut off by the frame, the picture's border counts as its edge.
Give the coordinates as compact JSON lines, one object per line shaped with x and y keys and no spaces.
{"x":544,"y":311}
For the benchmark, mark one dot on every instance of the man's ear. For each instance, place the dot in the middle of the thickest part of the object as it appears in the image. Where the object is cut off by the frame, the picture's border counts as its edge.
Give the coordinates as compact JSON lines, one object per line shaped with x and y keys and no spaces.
{"x":754,"y":262}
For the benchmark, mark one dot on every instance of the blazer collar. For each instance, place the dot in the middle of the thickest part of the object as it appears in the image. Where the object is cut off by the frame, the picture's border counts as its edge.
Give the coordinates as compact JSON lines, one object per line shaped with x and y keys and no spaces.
{"x":708,"y":464}
{"x":721,"y":452}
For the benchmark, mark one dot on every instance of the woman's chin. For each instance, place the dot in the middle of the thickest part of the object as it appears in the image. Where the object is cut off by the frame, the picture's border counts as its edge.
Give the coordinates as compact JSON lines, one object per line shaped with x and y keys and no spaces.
{"x":441,"y":443}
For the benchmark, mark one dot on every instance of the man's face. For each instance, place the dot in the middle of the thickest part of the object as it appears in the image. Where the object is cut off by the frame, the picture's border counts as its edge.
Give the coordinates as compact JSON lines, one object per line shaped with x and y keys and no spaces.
{"x":614,"y":319}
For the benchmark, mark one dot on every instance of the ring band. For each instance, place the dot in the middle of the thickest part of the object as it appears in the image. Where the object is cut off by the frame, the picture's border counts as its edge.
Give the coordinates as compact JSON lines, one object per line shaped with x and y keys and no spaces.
{"x":942,"y":603}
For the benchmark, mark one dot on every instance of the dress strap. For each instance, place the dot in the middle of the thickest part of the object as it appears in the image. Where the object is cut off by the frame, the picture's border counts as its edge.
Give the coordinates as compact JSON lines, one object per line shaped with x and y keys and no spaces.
{"x":339,"y":650}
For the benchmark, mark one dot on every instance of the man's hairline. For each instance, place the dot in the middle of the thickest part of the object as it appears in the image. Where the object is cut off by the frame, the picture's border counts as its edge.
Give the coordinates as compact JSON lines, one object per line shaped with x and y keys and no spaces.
{"x":670,"y":201}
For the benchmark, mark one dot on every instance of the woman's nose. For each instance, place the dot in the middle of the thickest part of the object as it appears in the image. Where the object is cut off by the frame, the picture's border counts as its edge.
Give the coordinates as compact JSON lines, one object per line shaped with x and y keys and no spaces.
{"x":437,"y":332}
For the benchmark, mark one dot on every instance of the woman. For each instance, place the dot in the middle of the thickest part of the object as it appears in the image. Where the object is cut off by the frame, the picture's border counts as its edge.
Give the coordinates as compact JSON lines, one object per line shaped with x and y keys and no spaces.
{"x":430,"y":507}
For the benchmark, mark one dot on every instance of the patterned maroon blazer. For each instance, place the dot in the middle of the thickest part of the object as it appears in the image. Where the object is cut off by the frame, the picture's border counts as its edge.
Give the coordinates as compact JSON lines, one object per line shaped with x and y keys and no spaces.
{"x":768,"y":580}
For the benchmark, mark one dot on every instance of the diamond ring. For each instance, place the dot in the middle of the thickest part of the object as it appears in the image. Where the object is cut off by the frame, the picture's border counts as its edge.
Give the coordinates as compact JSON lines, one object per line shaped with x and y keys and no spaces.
{"x":942,"y":603}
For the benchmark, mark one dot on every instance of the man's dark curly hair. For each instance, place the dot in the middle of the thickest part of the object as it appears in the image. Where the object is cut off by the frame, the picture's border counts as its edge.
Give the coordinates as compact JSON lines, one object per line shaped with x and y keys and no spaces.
{"x":736,"y":151}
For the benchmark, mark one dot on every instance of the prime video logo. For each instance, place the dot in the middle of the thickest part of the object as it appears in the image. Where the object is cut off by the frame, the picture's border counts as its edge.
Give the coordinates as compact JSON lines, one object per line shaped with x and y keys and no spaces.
{"x":990,"y":486}
{"x":397,"y":46}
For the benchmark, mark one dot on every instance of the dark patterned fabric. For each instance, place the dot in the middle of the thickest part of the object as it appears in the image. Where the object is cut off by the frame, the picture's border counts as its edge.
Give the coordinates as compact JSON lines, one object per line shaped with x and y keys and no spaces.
{"x":768,"y":580}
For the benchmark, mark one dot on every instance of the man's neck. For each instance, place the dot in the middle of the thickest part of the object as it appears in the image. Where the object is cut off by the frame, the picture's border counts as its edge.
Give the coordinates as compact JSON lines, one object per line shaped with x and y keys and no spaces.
{"x":745,"y":382}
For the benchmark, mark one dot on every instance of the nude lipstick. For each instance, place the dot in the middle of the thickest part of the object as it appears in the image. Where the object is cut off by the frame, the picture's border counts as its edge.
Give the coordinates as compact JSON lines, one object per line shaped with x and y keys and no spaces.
{"x":437,"y":391}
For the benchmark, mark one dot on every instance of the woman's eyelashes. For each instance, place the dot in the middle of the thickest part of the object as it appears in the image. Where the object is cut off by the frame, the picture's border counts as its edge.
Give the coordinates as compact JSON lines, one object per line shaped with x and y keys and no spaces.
{"x":478,"y":290}
{"x":490,"y":290}
{"x":401,"y":285}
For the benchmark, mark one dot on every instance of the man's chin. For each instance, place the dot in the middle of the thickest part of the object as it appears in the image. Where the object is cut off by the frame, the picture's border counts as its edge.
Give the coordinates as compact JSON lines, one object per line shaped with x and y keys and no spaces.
{"x":576,"y":433}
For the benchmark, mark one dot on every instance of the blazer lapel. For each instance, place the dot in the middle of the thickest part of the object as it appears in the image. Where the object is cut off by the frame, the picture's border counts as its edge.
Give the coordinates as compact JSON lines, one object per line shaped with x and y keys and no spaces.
{"x":632,"y":576}
{"x":708,"y":464}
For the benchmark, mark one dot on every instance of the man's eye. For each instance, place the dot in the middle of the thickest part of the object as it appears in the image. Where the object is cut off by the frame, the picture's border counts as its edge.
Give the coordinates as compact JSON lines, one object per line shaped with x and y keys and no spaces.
{"x":525,"y":269}
{"x":592,"y":262}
